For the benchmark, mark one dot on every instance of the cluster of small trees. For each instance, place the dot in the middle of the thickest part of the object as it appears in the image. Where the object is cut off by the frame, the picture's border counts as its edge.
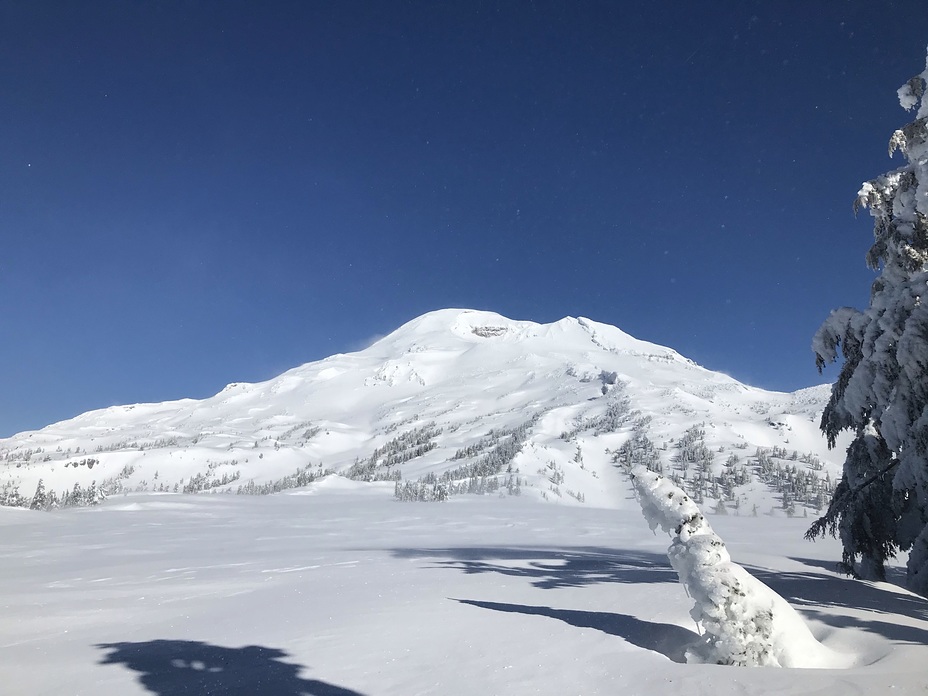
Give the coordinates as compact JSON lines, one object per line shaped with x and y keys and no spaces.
{"x":432,"y":488}
{"x":140,"y":445}
{"x":555,"y":475}
{"x":693,"y":469}
{"x":507,"y":444}
{"x":366,"y":471}
{"x":638,"y":449}
{"x":617,"y":414}
{"x":693,"y":451}
{"x":489,"y":440}
{"x":207,"y":481}
{"x":480,"y":477}
{"x":618,"y":411}
{"x":795,"y":485}
{"x":44,"y":499}
{"x":11,"y":497}
{"x":21,"y":455}
{"x":309,"y":431}
{"x":734,"y":474}
{"x":301,"y":477}
{"x":692,"y":463}
{"x":403,"y":448}
{"x":114,"y":484}
{"x":78,"y":496}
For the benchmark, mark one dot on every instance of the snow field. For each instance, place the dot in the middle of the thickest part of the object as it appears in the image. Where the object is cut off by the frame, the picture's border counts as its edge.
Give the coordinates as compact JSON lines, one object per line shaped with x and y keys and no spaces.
{"x":363,"y":594}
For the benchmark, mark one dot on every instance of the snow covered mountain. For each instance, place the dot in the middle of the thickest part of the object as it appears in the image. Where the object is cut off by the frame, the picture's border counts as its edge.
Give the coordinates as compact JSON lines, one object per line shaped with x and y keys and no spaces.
{"x":454,"y":401}
{"x":550,"y":585}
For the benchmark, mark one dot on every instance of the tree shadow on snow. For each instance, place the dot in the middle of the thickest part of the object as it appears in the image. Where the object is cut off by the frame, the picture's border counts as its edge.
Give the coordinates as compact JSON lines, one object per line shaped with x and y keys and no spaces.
{"x":809,"y":590}
{"x":667,"y":639}
{"x":180,"y":667}
{"x":895,"y":575}
{"x":550,"y":568}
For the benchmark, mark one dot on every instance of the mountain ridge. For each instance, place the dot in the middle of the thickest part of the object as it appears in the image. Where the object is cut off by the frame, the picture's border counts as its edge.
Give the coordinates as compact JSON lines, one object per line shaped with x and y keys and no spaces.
{"x":579,"y":390}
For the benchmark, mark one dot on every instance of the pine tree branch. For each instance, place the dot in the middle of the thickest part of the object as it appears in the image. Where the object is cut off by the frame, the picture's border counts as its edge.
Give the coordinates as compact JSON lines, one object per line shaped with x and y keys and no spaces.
{"x":827,"y":523}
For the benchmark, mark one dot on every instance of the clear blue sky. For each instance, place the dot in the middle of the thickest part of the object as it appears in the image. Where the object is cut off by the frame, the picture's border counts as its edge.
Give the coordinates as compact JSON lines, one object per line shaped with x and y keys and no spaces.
{"x":195,"y":193}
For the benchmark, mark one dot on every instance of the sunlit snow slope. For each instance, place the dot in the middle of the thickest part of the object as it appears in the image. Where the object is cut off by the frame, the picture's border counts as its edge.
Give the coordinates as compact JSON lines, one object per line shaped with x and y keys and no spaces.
{"x":454,"y":393}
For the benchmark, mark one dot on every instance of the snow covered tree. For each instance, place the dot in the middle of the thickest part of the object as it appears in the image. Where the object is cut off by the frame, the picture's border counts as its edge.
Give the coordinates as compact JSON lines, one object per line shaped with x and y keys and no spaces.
{"x":743,"y":621}
{"x":881,"y":393}
{"x":95,"y":495}
{"x":39,"y":498}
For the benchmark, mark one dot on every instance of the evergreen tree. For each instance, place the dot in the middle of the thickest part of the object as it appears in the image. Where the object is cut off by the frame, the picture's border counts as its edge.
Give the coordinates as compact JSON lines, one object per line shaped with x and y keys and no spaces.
{"x":40,"y":498}
{"x":881,"y":394}
{"x":95,"y":495}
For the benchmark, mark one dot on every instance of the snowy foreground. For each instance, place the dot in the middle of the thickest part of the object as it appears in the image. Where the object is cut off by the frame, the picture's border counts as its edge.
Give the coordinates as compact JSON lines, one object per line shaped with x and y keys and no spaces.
{"x":337,"y":589}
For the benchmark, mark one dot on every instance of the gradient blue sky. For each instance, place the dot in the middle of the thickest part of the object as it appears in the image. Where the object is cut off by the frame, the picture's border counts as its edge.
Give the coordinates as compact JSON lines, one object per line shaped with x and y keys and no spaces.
{"x":196,"y":193}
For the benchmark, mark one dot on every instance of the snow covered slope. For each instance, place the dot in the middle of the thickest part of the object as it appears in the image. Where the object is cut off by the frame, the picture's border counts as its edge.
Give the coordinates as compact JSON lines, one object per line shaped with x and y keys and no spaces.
{"x":455,"y":401}
{"x":335,"y":590}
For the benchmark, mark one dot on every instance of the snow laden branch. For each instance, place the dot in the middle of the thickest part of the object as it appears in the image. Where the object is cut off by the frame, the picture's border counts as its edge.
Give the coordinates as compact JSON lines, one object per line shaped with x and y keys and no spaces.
{"x":743,"y":621}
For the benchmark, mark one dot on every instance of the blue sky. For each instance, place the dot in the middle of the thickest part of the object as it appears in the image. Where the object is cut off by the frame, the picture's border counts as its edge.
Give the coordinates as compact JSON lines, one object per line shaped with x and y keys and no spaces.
{"x":196,"y":193}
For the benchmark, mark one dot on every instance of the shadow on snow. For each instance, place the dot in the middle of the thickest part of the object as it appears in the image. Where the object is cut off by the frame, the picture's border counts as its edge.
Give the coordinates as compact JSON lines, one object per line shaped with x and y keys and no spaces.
{"x":668,"y":639}
{"x":178,"y":667}
{"x":550,"y":568}
{"x":810,"y":592}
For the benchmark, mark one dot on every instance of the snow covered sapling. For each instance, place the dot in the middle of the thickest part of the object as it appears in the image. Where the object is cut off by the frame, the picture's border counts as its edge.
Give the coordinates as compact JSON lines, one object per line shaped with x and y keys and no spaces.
{"x":743,"y":621}
{"x":881,"y":393}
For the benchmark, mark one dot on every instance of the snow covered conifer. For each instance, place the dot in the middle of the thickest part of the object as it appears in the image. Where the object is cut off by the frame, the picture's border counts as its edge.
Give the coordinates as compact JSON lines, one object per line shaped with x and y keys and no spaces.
{"x":881,"y":393}
{"x":39,"y":499}
{"x":95,"y":495}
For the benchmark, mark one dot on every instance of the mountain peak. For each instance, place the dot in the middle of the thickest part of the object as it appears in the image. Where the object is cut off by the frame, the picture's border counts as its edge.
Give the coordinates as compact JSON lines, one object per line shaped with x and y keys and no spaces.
{"x":467,"y":324}
{"x":450,"y":326}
